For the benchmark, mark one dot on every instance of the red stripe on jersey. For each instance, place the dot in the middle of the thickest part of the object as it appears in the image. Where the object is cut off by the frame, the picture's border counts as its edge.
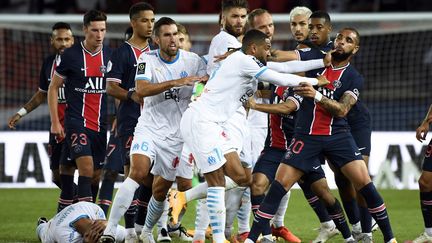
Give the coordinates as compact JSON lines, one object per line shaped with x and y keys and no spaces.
{"x":277,"y":136}
{"x":322,"y":120}
{"x":92,"y":103}
{"x":91,"y":110}
{"x":93,"y":64}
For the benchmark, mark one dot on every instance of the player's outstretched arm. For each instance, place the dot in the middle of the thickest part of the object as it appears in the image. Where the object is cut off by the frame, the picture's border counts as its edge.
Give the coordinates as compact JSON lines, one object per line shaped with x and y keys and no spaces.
{"x":144,"y":88}
{"x":336,"y":108}
{"x":114,"y":89}
{"x":423,"y":129}
{"x":296,"y":66}
{"x":53,"y":88}
{"x":286,"y":79}
{"x":282,"y":56}
{"x":37,"y":99}
{"x":284,"y":108}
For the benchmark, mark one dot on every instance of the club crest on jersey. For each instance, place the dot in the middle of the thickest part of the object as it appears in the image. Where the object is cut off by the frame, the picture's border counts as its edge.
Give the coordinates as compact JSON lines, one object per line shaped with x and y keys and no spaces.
{"x":103,"y":69}
{"x":141,"y":68}
{"x":337,"y":84}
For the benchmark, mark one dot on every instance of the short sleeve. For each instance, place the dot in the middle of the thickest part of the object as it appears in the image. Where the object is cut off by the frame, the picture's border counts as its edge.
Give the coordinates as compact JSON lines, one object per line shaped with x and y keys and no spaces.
{"x":143,"y":70}
{"x":297,"y":99}
{"x":116,"y":67}
{"x":251,"y":67}
{"x":309,"y":54}
{"x":62,"y":69}
{"x":356,"y":85}
{"x":43,"y":76}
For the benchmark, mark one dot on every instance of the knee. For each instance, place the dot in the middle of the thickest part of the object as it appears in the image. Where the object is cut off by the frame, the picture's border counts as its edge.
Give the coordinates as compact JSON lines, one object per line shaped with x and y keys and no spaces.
{"x":425,"y":183}
{"x":159,"y":193}
{"x":183,"y":184}
{"x":244,"y":180}
{"x":110,"y":175}
{"x":258,"y":186}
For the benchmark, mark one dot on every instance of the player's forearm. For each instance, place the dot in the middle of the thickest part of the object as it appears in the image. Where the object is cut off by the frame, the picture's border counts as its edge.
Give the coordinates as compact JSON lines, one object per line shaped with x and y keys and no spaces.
{"x":53,"y":104}
{"x":285,"y":79}
{"x":283,"y":56}
{"x":144,"y":89}
{"x":114,"y":90}
{"x":35,"y":101}
{"x":296,"y":66}
{"x":282,"y":108}
{"x":428,"y":117}
{"x":334,"y":107}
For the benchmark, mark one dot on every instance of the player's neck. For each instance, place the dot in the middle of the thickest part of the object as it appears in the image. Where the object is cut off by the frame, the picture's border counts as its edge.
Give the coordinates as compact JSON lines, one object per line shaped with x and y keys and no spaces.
{"x":139,"y":42}
{"x":338,"y":64}
{"x":91,"y":48}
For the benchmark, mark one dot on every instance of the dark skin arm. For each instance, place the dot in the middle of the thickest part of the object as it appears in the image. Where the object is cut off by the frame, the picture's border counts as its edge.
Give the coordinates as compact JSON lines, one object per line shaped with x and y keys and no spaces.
{"x":38,"y":98}
{"x":284,"y":108}
{"x":114,"y":89}
{"x":423,"y":129}
{"x":336,"y":108}
{"x":144,"y":88}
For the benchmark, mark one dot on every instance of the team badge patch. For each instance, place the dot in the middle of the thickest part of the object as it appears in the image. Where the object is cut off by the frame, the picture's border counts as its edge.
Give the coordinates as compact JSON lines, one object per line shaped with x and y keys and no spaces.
{"x":103,"y":69}
{"x":141,"y":68}
{"x":337,"y":84}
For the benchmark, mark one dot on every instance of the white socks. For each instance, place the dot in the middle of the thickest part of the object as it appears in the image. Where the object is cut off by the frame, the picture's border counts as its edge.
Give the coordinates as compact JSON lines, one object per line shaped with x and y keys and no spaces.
{"x":121,"y":203}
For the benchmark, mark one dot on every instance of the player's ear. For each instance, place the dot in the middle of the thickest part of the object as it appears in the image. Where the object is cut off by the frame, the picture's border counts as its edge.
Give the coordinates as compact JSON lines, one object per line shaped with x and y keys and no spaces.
{"x":356,"y":49}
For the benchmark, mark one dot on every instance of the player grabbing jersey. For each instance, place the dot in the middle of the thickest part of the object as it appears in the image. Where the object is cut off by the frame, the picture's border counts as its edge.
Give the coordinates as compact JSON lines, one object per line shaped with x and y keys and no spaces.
{"x":164,"y":77}
{"x":202,"y":124}
{"x":321,"y":128}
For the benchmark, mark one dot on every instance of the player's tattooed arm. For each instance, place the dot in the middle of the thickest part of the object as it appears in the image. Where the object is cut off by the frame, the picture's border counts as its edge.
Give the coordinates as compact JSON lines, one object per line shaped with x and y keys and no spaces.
{"x":338,"y":108}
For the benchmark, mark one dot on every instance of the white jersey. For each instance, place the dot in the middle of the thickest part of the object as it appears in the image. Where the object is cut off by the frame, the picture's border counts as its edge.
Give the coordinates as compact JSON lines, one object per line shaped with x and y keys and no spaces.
{"x":161,"y":113}
{"x":60,"y":228}
{"x":229,"y":86}
{"x":220,"y":44}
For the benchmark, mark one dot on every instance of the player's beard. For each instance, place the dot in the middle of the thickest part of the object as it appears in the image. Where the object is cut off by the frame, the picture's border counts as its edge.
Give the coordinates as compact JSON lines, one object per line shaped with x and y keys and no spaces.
{"x":338,"y":57}
{"x":232,"y":31}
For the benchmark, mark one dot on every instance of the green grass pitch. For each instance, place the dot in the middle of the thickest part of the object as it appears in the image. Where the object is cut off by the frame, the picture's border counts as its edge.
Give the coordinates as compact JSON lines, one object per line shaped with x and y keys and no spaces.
{"x":20,"y":208}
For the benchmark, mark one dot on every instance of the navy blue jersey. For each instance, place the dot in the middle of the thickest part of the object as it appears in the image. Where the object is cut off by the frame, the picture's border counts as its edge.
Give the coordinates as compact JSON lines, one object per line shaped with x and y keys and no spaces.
{"x":84,"y":74}
{"x":359,"y":115}
{"x":48,"y":68}
{"x":122,"y":69}
{"x":315,"y":120}
{"x":314,"y":53}
{"x":281,"y":127}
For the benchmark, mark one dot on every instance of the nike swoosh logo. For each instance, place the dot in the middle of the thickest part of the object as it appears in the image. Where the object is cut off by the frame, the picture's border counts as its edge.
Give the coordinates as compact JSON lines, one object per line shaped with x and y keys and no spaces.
{"x":83,"y":69}
{"x":135,"y":65}
{"x":315,"y":167}
{"x":362,"y":148}
{"x":357,"y":153}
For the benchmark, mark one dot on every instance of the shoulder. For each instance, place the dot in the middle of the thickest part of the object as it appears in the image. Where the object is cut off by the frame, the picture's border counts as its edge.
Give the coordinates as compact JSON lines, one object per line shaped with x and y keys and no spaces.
{"x":147,"y":56}
{"x":353,"y":74}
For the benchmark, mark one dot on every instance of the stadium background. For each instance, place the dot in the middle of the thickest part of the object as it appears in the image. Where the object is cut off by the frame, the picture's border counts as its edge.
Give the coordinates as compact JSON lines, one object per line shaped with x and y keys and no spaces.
{"x":395,"y":59}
